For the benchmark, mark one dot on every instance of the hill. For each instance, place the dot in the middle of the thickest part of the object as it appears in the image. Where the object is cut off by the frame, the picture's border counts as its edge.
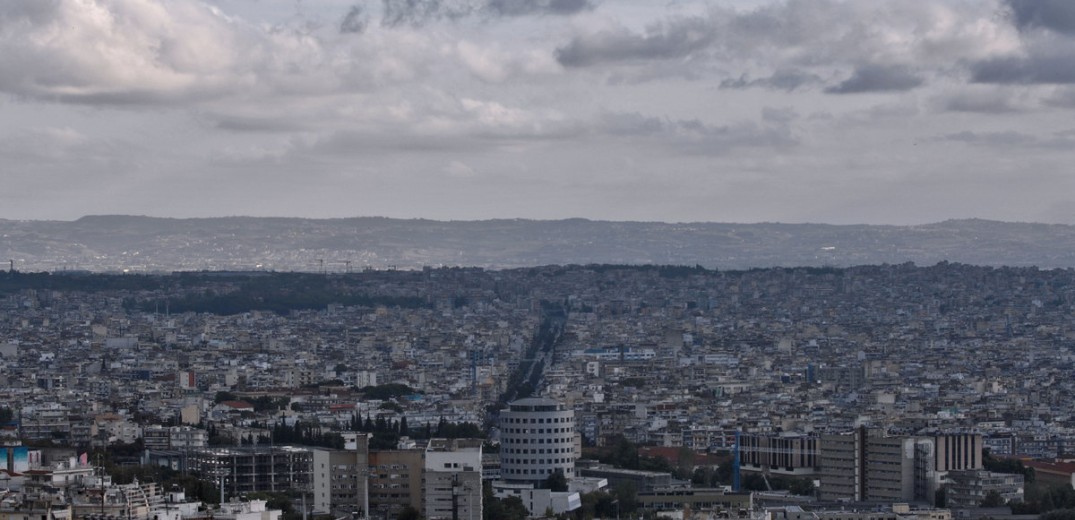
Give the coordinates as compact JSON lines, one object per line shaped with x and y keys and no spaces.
{"x":117,"y":243}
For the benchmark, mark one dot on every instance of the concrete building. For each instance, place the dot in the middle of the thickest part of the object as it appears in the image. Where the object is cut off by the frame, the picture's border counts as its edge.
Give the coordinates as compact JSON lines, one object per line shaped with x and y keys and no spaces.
{"x":969,"y":488}
{"x":731,"y":505}
{"x":841,"y":457}
{"x":779,"y":454}
{"x":537,"y":438}
{"x":641,"y":480}
{"x":958,"y":451}
{"x":359,"y":481}
{"x":867,"y":465}
{"x":395,"y":481}
{"x":453,"y":479}
{"x":254,"y":468}
{"x":340,"y":477}
{"x":889,"y":469}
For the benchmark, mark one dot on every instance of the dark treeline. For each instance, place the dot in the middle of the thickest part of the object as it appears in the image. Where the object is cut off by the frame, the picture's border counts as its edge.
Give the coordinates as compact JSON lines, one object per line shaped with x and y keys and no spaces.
{"x":276,"y":292}
{"x":302,"y":433}
{"x":385,"y":434}
{"x":12,"y":282}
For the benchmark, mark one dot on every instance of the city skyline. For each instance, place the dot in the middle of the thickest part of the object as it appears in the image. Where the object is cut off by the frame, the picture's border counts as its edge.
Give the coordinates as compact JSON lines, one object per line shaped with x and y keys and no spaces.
{"x":737,"y":111}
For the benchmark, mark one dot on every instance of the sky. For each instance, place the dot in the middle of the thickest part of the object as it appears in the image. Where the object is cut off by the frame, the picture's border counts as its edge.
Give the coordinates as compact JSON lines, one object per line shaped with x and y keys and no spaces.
{"x":827,"y":111}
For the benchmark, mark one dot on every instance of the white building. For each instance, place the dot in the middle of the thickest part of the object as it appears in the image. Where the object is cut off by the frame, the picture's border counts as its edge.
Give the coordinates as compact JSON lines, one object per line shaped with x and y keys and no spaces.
{"x":537,"y":439}
{"x":453,"y":479}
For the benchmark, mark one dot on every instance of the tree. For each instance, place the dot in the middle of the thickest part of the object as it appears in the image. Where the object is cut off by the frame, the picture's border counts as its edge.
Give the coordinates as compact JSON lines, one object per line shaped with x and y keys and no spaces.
{"x":992,"y":499}
{"x":493,"y":508}
{"x":1059,"y":514}
{"x":409,"y":513}
{"x":801,"y":486}
{"x":941,"y":498}
{"x":556,"y":482}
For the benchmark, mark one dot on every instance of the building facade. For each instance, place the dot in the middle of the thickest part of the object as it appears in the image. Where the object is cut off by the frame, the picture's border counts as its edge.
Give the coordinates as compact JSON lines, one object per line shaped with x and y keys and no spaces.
{"x":537,"y":439}
{"x":453,"y":479}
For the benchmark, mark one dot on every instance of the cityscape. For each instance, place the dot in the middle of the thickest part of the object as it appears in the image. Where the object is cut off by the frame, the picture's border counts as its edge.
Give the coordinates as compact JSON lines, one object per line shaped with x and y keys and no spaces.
{"x":664,"y":389}
{"x":537,"y":259}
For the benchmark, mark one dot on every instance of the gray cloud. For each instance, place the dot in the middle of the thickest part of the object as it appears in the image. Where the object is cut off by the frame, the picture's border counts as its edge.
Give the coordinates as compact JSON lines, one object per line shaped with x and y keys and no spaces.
{"x":982,"y":102}
{"x":660,"y":41}
{"x":416,"y":13}
{"x":419,"y":12}
{"x":1015,"y":139}
{"x":1008,"y":138}
{"x":696,"y":137}
{"x":355,"y":21}
{"x":1040,"y":67}
{"x":1055,"y":15}
{"x":1062,"y":98}
{"x":877,"y":78}
{"x":787,"y":80}
{"x":539,"y":7}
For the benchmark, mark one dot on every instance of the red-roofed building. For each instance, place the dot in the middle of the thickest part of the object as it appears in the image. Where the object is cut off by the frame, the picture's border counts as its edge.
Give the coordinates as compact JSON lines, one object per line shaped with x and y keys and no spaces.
{"x":1056,"y":472}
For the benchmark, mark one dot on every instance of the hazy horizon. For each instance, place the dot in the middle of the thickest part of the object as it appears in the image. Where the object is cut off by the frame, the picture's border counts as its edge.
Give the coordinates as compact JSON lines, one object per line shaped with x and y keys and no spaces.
{"x":559,"y":219}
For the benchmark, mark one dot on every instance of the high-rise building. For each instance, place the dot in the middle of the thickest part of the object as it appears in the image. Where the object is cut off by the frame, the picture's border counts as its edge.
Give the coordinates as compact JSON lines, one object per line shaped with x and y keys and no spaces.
{"x":537,"y":439}
{"x":358,"y":481}
{"x":779,"y":454}
{"x":453,"y":479}
{"x":869,"y":465}
{"x":841,"y":458}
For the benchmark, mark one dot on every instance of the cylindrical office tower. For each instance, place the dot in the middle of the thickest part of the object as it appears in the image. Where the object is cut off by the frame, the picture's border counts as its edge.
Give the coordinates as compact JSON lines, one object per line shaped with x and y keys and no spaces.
{"x":537,"y":439}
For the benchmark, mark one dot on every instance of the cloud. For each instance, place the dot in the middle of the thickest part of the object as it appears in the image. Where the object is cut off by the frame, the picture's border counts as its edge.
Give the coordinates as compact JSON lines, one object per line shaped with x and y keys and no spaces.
{"x":539,"y":7}
{"x":1007,"y":138}
{"x":492,"y":64}
{"x":416,"y":13}
{"x":1054,"y":15}
{"x":1015,"y":139}
{"x":119,"y":52}
{"x":794,"y":45}
{"x":696,"y":137}
{"x":878,"y":78}
{"x":992,"y":100}
{"x":787,"y":80}
{"x":459,"y":170}
{"x":355,"y":21}
{"x":659,"y":42}
{"x":419,"y":12}
{"x":1040,"y":66}
{"x":1062,"y":98}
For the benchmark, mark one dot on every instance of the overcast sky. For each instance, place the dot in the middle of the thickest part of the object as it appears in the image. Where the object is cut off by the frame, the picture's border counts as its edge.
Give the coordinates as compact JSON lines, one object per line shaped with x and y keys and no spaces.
{"x":859,"y":111}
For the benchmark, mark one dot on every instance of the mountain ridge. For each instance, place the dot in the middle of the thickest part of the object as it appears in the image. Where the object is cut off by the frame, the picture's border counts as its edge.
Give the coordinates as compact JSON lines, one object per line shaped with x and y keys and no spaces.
{"x":145,"y":243}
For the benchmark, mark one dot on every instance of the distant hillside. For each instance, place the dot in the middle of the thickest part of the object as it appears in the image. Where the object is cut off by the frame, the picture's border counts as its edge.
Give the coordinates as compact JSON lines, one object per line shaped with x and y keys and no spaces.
{"x":114,"y":243}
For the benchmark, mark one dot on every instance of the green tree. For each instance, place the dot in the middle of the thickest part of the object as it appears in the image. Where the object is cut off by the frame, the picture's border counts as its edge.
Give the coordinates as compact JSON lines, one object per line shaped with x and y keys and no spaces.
{"x":801,"y":486}
{"x":556,"y":482}
{"x":409,"y":512}
{"x":1058,"y":514}
{"x":992,"y":499}
{"x":941,"y":498}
